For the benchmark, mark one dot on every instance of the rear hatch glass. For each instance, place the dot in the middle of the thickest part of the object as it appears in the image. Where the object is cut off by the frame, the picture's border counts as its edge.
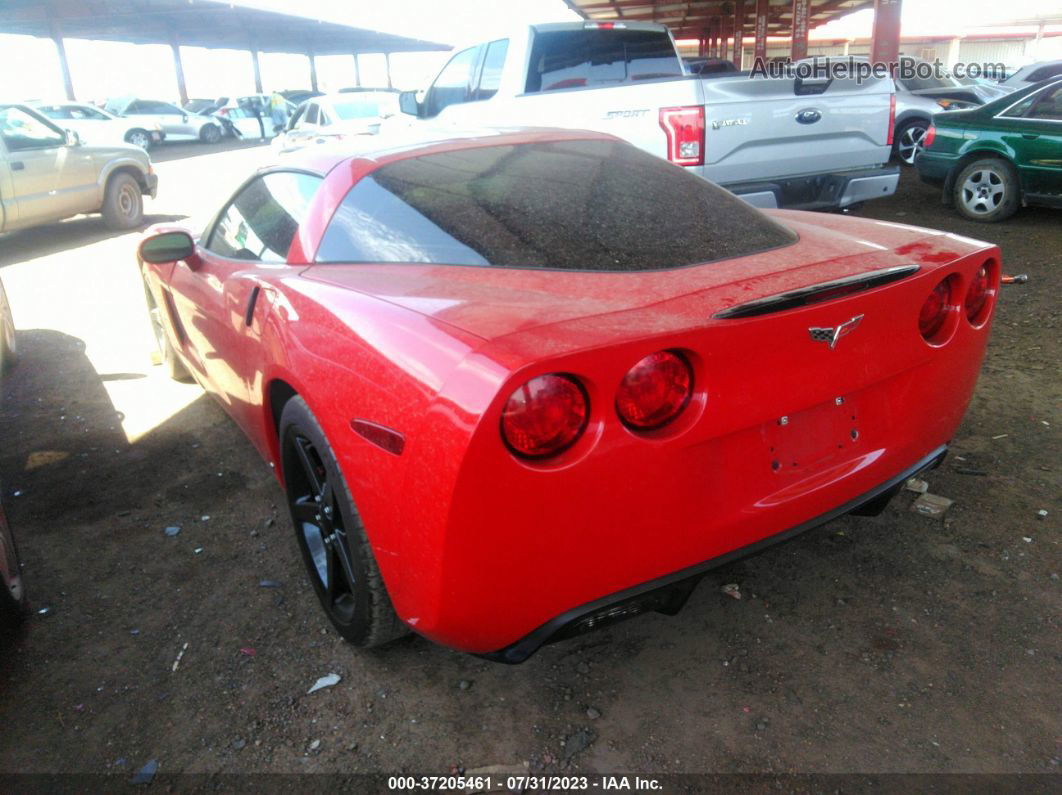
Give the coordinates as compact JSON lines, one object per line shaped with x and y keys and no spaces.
{"x":596,"y":57}
{"x":585,"y":205}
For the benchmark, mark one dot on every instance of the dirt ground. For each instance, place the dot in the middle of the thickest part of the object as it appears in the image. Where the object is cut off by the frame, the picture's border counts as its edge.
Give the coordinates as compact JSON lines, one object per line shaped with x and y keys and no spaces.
{"x":888,"y":644}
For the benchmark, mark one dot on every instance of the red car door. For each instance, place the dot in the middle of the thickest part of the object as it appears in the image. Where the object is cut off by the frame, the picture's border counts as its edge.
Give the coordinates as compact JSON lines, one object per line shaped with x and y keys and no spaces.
{"x":219,"y":301}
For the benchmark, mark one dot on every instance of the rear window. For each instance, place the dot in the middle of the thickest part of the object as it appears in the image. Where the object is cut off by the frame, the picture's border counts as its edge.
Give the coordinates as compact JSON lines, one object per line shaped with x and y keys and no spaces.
{"x":568,"y":205}
{"x":586,"y":58}
{"x":366,"y":106}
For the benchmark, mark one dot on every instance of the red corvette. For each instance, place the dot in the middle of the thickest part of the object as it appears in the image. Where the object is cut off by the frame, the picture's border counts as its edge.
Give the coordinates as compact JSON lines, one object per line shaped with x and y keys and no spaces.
{"x":518,"y":385}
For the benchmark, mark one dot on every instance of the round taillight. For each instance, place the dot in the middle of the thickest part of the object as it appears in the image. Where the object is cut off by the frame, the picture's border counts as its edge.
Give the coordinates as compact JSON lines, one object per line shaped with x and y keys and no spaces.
{"x":545,"y":416}
{"x":654,"y":391}
{"x":977,"y":296}
{"x":935,"y":311}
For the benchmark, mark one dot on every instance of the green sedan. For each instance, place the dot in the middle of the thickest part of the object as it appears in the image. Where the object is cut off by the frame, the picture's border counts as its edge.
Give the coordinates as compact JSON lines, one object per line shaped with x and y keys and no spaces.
{"x":996,"y":158}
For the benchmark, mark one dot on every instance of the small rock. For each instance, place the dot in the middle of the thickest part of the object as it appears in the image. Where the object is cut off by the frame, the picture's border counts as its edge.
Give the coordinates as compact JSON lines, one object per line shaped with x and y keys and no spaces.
{"x":916,"y":485}
{"x":593,"y":713}
{"x":316,"y":744}
{"x":329,"y":680}
{"x":239,"y":744}
{"x":197,"y":550}
{"x":204,"y":518}
{"x":578,"y":742}
{"x":582,"y":668}
{"x":269,"y":583}
{"x":146,"y":774}
{"x":932,"y":505}
{"x":732,"y":590}
{"x":464,"y":684}
{"x":134,"y":632}
{"x":761,"y":725}
{"x":1041,"y":514}
{"x":172,"y":531}
{"x":46,"y":611}
{"x":270,"y":522}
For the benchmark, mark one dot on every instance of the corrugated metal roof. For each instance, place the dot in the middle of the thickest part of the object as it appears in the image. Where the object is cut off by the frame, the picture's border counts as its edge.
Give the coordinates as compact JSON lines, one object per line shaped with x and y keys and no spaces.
{"x":690,"y":18}
{"x":198,"y":23}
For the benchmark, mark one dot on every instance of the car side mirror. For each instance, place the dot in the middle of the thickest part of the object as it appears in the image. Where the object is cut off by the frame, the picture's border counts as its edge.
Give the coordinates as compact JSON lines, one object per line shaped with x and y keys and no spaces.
{"x":407,"y":103}
{"x":72,"y":138}
{"x":169,"y":246}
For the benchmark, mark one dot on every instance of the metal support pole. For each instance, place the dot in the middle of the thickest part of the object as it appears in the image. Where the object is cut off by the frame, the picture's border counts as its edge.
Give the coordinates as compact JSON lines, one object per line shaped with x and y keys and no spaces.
{"x":801,"y":19}
{"x":257,"y":72}
{"x":713,"y":40}
{"x":724,"y":38}
{"x":739,"y":32}
{"x":60,"y":48}
{"x":178,"y":67}
{"x":357,"y":70}
{"x":387,"y":60}
{"x":762,"y":7}
{"x":885,"y":39}
{"x":313,"y":71}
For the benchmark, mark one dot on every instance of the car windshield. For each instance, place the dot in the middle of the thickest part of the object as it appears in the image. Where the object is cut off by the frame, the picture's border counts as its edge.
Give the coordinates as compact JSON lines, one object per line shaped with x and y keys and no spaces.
{"x":365,"y":106}
{"x":588,"y":205}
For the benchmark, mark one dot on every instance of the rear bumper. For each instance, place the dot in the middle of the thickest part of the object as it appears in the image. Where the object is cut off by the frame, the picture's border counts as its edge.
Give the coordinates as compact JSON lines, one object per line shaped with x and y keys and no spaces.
{"x":668,"y":594}
{"x":934,"y":168}
{"x":820,"y":191}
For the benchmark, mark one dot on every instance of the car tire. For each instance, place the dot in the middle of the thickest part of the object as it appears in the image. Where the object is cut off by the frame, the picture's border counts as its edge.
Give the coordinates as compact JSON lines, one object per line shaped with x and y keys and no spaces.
{"x":139,"y":138}
{"x":210,"y":134}
{"x":330,"y":534}
{"x":987,"y":190}
{"x":165,"y":354}
{"x":908,"y":140}
{"x":8,"y":345}
{"x":12,"y":602}
{"x":123,"y":203}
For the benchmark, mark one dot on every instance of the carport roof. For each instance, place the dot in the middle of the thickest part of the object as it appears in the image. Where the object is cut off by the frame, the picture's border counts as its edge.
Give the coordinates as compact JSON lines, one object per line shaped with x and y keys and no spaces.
{"x":198,"y":23}
{"x":690,"y":18}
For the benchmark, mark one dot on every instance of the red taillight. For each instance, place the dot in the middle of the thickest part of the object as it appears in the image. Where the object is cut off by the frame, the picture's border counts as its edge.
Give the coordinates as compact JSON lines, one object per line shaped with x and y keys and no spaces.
{"x":930,"y":136}
{"x":222,"y":111}
{"x":979,"y":295}
{"x":684,"y":128}
{"x":892,"y":118}
{"x":654,"y":391}
{"x":935,"y":311}
{"x":545,"y":416}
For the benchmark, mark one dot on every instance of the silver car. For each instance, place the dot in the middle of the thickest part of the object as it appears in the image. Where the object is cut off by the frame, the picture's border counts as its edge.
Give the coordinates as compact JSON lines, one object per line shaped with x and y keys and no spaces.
{"x":176,"y":123}
{"x":47,"y":174}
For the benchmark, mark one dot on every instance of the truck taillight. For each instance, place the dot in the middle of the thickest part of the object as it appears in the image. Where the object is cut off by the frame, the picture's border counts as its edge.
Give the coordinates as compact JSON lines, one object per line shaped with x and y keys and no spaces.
{"x":604,"y":26}
{"x":684,"y":128}
{"x":892,"y":119}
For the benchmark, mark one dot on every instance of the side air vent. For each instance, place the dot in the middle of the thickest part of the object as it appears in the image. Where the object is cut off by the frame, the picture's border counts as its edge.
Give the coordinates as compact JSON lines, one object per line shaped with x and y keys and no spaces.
{"x":817,"y":293}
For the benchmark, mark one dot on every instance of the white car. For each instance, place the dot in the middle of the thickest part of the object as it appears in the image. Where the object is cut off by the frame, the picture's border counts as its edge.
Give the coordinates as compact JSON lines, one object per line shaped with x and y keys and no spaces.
{"x":176,"y":124}
{"x":96,"y":126}
{"x":1033,"y":73}
{"x":334,"y":117}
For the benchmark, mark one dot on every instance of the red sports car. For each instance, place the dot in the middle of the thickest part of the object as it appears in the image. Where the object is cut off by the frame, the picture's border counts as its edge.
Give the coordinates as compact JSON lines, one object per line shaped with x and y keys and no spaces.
{"x":518,"y":385}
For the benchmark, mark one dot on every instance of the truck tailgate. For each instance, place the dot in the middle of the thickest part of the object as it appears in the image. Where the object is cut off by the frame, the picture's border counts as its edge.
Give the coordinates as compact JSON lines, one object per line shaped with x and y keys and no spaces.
{"x":763,"y":129}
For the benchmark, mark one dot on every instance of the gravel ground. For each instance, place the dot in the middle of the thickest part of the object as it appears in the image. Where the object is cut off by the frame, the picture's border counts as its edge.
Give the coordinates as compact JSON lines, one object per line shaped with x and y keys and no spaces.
{"x":887,"y":644}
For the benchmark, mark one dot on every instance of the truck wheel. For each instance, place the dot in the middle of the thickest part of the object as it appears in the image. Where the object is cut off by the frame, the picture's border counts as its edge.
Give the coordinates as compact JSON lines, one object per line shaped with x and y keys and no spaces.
{"x":330,"y":534}
{"x":164,"y":352}
{"x":987,"y":190}
{"x":123,"y":205}
{"x":138,"y":138}
{"x":210,"y":134}
{"x":8,"y":348}
{"x":909,"y":139}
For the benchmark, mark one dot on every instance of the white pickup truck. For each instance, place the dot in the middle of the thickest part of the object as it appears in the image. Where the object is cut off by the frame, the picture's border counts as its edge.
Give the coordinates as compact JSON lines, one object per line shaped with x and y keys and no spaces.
{"x":777,"y":142}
